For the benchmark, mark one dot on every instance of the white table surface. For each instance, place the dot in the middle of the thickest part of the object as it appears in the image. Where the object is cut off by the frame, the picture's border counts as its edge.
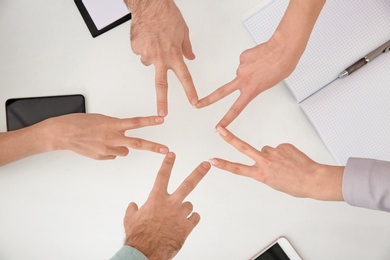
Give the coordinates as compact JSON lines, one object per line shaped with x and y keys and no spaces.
{"x":63,"y":206}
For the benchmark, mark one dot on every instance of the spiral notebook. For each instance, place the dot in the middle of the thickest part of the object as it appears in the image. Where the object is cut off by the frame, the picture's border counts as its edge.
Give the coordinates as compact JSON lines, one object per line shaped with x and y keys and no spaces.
{"x":351,"y":114}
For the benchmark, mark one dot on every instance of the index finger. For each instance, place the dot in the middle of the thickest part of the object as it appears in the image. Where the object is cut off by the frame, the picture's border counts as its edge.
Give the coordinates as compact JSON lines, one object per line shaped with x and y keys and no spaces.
{"x":161,"y":82}
{"x":162,"y":179}
{"x":237,"y":143}
{"x":138,"y":122}
{"x":233,"y":112}
{"x":218,"y":94}
{"x":183,"y":74}
{"x":189,"y":184}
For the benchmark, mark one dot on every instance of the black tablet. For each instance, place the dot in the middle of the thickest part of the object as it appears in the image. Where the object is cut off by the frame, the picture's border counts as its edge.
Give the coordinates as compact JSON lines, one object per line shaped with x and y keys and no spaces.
{"x":23,"y":112}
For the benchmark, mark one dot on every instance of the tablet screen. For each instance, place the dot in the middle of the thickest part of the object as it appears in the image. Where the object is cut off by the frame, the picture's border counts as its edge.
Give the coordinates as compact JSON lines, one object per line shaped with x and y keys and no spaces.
{"x":22,"y":112}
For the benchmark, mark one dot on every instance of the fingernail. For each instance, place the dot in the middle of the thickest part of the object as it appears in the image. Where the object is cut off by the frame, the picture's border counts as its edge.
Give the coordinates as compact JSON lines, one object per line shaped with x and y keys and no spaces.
{"x":159,"y":120}
{"x":162,"y":113}
{"x":222,"y":131}
{"x":205,"y":165}
{"x":164,"y":150}
{"x":171,"y":155}
{"x":214,"y":161}
{"x":194,"y":101}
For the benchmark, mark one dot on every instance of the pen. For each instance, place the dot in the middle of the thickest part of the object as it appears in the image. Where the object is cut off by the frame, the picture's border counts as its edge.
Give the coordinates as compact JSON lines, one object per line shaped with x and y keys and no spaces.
{"x":366,"y":59}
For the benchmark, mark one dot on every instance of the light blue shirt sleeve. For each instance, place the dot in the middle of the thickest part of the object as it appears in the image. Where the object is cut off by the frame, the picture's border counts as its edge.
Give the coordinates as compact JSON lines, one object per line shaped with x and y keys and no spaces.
{"x":366,"y":183}
{"x":129,"y":253}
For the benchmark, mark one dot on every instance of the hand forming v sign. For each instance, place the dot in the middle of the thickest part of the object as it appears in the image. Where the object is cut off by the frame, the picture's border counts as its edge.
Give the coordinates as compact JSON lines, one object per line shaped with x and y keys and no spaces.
{"x":160,"y":227}
{"x":98,"y":136}
{"x":265,"y":65}
{"x":285,"y":169}
{"x":261,"y":68}
{"x":160,"y":35}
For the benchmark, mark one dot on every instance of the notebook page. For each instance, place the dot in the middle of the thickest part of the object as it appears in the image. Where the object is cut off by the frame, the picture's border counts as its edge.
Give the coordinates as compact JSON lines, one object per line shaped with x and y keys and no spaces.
{"x":352,"y":115}
{"x":345,"y":31}
{"x":105,"y":12}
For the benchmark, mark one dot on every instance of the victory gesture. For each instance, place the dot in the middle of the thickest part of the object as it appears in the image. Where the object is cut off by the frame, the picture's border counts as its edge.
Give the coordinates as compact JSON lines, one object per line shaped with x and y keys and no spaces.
{"x":160,"y":36}
{"x":160,"y":227}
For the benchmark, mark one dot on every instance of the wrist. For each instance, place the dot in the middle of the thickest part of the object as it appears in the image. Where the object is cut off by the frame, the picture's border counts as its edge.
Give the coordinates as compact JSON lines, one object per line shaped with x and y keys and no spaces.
{"x":287,"y":52}
{"x":46,"y":130}
{"x":295,"y":28}
{"x":327,"y":183}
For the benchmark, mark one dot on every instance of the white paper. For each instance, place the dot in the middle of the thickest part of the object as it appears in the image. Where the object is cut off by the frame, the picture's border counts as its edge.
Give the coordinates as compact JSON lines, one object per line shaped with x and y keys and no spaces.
{"x":352,"y":115}
{"x":345,"y":31}
{"x":105,"y":12}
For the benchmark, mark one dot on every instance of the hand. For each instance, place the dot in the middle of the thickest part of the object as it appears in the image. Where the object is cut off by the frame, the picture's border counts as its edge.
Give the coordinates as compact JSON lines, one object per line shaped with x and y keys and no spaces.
{"x":260,"y":68}
{"x":159,"y":228}
{"x":160,"y":35}
{"x":99,"y":137}
{"x":285,"y":169}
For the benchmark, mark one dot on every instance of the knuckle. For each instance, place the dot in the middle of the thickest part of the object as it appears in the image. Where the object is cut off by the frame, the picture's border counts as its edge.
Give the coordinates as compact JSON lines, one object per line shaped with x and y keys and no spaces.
{"x":145,"y":61}
{"x":266,"y":149}
{"x":243,"y":77}
{"x":235,"y":169}
{"x":186,"y":77}
{"x":136,"y":143}
{"x":188,"y":186}
{"x":136,"y":121}
{"x":236,"y":109}
{"x":161,"y":83}
{"x":124,"y":151}
{"x":261,"y":174}
{"x":97,"y":157}
{"x":221,"y":92}
{"x":188,"y":205}
{"x":243,"y":147}
{"x":106,"y":151}
{"x":244,"y":56}
{"x":285,"y":146}
{"x":161,"y":103}
{"x":176,"y":52}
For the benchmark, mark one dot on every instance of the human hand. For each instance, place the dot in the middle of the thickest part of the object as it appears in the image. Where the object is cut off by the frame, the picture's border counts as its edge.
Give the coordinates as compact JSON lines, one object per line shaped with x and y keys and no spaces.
{"x":260,"y":68}
{"x":160,"y":36}
{"x":97,"y":136}
{"x":160,"y":227}
{"x":285,"y":169}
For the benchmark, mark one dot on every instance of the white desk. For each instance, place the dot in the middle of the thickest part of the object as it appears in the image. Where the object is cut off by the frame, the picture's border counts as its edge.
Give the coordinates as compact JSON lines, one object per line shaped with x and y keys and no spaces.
{"x":64,"y":206}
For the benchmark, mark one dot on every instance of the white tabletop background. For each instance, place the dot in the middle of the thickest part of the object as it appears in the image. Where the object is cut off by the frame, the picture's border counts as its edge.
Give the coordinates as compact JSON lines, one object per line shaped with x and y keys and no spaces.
{"x":63,"y":206}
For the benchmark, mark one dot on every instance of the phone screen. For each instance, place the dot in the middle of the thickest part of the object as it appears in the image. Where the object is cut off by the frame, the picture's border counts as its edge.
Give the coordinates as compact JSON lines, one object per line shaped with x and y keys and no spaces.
{"x":23,"y":112}
{"x":275,"y":252}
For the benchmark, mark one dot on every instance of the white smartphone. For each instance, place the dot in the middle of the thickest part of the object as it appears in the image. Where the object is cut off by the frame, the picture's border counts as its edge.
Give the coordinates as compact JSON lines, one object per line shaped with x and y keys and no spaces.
{"x":280,"y":249}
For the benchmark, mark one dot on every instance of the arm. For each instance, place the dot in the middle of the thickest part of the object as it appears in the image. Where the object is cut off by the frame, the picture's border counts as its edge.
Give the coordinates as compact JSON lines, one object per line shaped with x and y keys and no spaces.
{"x":366,"y":183}
{"x":92,"y":135}
{"x":160,"y":36}
{"x":362,"y":182}
{"x":160,"y":227}
{"x":267,"y":64}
